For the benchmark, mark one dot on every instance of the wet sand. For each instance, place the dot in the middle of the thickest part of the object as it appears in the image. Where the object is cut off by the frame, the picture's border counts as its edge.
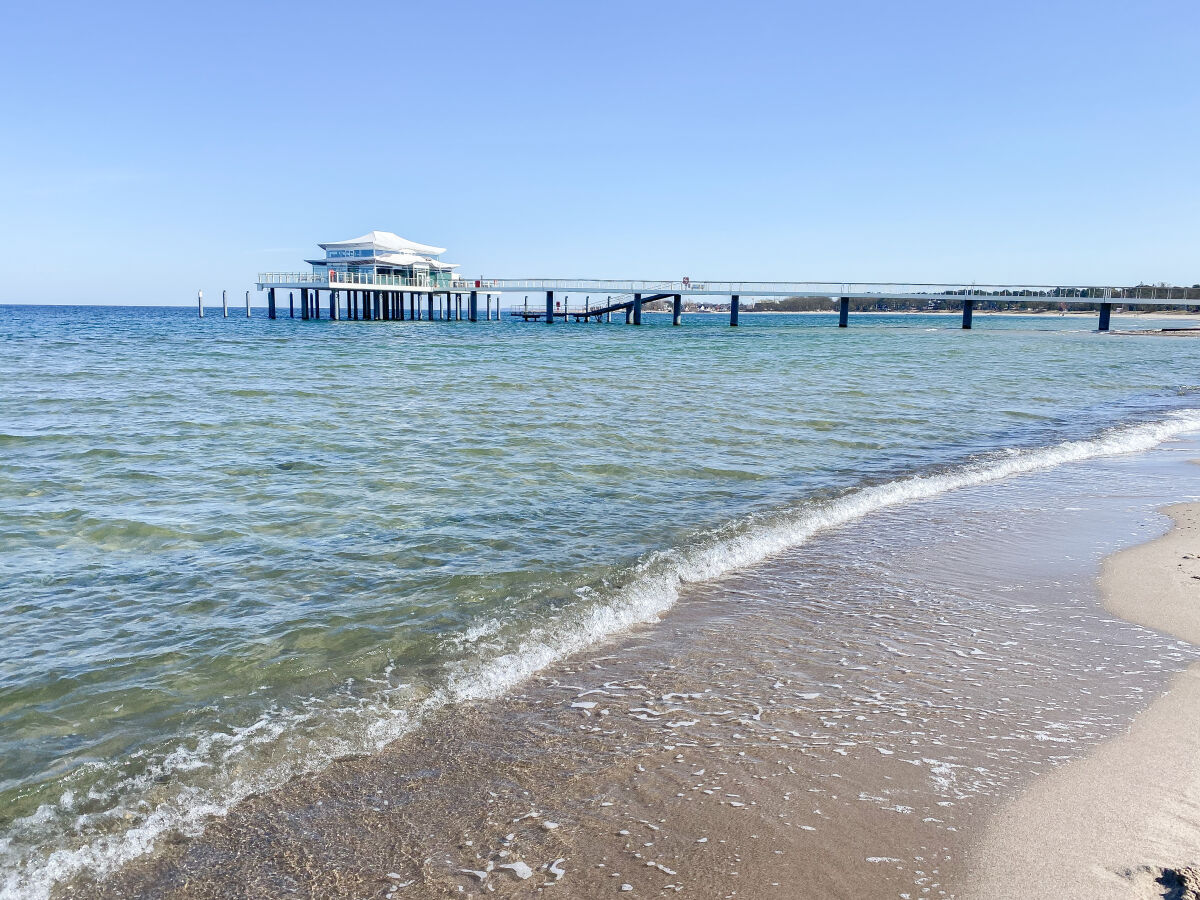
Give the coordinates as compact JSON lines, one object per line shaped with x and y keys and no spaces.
{"x":1125,"y":821}
{"x":837,"y":722}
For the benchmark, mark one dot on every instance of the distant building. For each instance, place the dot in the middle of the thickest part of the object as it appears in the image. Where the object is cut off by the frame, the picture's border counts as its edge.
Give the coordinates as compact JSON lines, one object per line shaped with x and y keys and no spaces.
{"x":384,"y":253}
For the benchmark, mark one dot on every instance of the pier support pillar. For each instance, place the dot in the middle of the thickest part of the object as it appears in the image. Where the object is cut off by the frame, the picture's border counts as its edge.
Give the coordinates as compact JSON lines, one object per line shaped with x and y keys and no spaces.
{"x":334,"y":311}
{"x":734,"y":310}
{"x":549,"y":307}
{"x":224,"y":305}
{"x":1105,"y":315}
{"x":414,"y":308}
{"x":677,"y":310}
{"x":247,"y":304}
{"x":843,"y":312}
{"x":637,"y":309}
{"x":473,"y":307}
{"x":292,"y":304}
{"x":429,"y":307}
{"x":968,"y":307}
{"x":304,"y":304}
{"x":270,"y":303}
{"x":316,"y":304}
{"x":200,"y":302}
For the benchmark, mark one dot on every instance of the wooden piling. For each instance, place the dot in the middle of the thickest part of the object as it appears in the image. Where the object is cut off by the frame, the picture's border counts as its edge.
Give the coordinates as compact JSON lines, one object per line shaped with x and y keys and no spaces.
{"x":734,"y":304}
{"x":843,"y":312}
{"x":316,"y":303}
{"x":429,"y":306}
{"x":637,"y":309}
{"x":247,"y":304}
{"x":334,"y":311}
{"x":224,"y":305}
{"x":304,"y":304}
{"x":677,"y":310}
{"x":270,"y":303}
{"x":968,"y":308}
{"x":473,"y":307}
{"x":292,"y":304}
{"x":549,"y":307}
{"x":200,"y":302}
{"x":1105,"y":315}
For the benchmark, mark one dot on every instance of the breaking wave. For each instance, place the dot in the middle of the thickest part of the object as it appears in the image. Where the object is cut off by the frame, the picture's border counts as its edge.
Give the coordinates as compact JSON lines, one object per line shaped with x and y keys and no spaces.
{"x":140,"y":810}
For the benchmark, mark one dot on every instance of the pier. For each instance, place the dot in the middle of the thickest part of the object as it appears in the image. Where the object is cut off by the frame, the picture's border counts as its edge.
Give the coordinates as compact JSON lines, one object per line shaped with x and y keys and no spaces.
{"x":370,"y":297}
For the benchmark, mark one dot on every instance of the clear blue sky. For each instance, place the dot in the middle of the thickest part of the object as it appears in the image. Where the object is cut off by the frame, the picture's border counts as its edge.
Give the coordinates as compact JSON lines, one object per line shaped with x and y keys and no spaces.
{"x":153,"y":149}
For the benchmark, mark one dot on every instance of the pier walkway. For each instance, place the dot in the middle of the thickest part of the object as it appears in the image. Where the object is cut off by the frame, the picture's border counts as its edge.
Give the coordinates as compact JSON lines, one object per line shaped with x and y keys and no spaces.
{"x":389,"y":297}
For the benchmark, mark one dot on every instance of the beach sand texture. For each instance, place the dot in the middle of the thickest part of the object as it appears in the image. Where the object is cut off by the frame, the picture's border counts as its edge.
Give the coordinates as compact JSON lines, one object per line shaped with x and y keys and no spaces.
{"x":1123,"y":822}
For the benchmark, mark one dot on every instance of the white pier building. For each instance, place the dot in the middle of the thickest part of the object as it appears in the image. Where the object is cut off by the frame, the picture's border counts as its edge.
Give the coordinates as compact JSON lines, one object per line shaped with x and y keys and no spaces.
{"x":382,"y":253}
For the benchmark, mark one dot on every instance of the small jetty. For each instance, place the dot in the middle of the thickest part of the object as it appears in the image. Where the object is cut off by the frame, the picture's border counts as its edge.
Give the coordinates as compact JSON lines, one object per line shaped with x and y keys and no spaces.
{"x":381,"y":277}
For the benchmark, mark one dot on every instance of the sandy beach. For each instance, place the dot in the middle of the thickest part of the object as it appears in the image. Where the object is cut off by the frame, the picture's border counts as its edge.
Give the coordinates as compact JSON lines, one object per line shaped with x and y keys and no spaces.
{"x":1124,"y":822}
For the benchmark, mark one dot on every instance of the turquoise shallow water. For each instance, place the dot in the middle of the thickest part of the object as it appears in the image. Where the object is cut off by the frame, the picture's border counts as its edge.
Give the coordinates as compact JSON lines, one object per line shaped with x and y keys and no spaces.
{"x":235,"y":549}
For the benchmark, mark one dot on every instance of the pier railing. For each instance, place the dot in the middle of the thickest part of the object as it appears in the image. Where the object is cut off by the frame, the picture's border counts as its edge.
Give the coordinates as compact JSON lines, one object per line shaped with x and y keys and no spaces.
{"x":750,"y":289}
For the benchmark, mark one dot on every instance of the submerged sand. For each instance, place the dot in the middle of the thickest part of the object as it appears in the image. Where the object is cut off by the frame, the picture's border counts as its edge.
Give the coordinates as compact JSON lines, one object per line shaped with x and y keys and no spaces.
{"x":834,"y":723}
{"x":1123,"y":822}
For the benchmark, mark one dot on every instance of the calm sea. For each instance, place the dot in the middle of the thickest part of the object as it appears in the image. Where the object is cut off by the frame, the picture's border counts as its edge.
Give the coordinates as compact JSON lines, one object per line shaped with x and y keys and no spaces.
{"x":236,"y":549}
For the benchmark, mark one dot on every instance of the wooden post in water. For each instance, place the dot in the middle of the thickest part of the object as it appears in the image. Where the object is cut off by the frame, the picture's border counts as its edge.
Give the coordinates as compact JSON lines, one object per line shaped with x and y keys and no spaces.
{"x":224,"y":305}
{"x":1105,"y":314}
{"x":968,"y":307}
{"x":677,"y":310}
{"x":304,"y":304}
{"x":637,"y":309}
{"x":247,"y":304}
{"x":549,"y":307}
{"x":291,"y":304}
{"x":429,"y":306}
{"x":316,"y":302}
{"x":270,"y":303}
{"x":473,"y":307}
{"x":843,"y":312}
{"x":334,"y":304}
{"x":200,"y":302}
{"x":734,"y":303}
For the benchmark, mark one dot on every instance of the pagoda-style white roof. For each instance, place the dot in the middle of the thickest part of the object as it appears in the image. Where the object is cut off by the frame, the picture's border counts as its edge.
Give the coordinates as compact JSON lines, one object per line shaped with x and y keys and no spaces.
{"x":388,"y":259}
{"x":385,"y":241}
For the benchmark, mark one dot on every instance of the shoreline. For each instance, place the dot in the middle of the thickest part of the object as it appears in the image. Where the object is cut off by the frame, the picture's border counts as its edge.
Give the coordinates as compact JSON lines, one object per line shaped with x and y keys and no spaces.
{"x":686,"y":763}
{"x":1122,"y":822}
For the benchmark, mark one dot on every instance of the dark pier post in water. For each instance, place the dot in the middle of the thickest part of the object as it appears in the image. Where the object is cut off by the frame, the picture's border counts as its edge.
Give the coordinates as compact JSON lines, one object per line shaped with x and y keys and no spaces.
{"x":316,"y":303}
{"x":549,"y":307}
{"x":304,"y":304}
{"x":677,"y":310}
{"x":247,"y":304}
{"x":377,"y":305}
{"x":400,"y":306}
{"x":734,"y":304}
{"x":429,"y":306}
{"x":200,"y":302}
{"x":968,"y":307}
{"x":414,"y":308}
{"x":291,"y":304}
{"x":637,"y":309}
{"x":473,"y":307}
{"x":1105,"y":313}
{"x":224,"y":305}
{"x":843,"y":312}
{"x":270,"y":303}
{"x":334,"y":304}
